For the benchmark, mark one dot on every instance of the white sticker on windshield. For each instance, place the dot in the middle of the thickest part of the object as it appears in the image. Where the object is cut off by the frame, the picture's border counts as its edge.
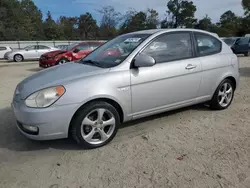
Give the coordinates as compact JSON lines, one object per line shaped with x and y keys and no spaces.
{"x":132,"y":40}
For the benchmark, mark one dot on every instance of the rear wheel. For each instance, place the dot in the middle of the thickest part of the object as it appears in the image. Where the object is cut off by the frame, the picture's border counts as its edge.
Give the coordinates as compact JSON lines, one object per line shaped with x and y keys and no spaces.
{"x":247,"y":54}
{"x":18,"y":58}
{"x":62,"y":61}
{"x":95,"y":125}
{"x":223,"y":95}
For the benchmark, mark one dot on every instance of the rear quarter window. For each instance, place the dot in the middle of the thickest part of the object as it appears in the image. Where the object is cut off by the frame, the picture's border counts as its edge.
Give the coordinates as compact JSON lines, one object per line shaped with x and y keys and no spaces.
{"x":207,"y":44}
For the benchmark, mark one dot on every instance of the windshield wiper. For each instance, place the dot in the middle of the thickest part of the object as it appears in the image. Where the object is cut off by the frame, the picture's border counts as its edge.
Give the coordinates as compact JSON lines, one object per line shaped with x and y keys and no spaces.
{"x":91,"y":62}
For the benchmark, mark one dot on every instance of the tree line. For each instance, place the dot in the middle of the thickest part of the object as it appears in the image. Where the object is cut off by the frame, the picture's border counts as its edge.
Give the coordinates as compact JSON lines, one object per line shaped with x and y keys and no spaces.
{"x":23,"y":20}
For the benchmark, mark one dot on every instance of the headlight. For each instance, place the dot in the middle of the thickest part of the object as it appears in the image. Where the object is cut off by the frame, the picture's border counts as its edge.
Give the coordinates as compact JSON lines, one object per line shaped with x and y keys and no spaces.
{"x":45,"y":97}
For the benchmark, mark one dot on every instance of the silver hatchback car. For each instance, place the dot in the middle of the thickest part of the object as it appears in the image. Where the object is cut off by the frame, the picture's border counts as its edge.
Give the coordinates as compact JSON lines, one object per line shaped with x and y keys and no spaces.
{"x":132,"y":76}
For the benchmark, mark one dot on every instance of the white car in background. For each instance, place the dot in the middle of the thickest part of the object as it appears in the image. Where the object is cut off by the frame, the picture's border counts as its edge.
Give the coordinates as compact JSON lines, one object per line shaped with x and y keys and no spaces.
{"x":3,"y":50}
{"x":33,"y":52}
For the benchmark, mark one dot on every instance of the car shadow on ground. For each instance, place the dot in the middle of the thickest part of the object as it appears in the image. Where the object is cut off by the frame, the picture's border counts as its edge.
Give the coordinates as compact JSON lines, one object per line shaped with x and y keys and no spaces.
{"x":37,"y":69}
{"x":12,"y":139}
{"x":245,"y":71}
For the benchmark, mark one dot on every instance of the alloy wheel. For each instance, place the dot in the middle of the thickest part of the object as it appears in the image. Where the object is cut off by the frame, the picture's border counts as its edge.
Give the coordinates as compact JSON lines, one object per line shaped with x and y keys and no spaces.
{"x":18,"y":58}
{"x":98,"y":126}
{"x":225,"y":94}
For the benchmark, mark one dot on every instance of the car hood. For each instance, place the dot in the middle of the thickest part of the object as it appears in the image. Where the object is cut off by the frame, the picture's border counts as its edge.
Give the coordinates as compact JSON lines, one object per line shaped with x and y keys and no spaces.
{"x":54,"y":53}
{"x":58,"y":75}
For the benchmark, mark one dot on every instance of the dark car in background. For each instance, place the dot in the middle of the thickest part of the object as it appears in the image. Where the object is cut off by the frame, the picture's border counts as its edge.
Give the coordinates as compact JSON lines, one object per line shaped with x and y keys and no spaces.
{"x":74,"y":52}
{"x":241,"y":46}
{"x":230,"y":40}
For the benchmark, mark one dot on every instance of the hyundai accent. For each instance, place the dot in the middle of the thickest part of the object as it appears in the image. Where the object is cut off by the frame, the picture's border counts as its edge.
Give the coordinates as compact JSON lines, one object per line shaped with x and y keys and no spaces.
{"x":131,"y":76}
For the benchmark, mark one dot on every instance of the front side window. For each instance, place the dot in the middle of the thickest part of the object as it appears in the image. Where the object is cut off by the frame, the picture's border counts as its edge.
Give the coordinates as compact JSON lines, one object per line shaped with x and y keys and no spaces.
{"x":115,"y":51}
{"x":170,"y":47}
{"x":3,"y":48}
{"x":82,"y":47}
{"x":30,"y":48}
{"x":242,"y":41}
{"x":207,"y":44}
{"x":71,"y":46}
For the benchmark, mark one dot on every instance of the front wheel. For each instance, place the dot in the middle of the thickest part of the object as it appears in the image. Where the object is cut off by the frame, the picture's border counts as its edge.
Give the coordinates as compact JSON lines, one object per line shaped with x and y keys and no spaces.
{"x":95,"y":125}
{"x":223,"y":95}
{"x":18,"y":58}
{"x":62,"y":61}
{"x":247,"y":54}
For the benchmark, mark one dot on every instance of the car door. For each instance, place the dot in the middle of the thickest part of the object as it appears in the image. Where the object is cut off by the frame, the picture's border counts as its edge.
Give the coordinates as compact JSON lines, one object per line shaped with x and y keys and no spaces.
{"x":173,"y":81}
{"x":242,"y":45}
{"x":31,"y":52}
{"x":81,"y":50}
{"x":42,"y":50}
{"x":214,"y":64}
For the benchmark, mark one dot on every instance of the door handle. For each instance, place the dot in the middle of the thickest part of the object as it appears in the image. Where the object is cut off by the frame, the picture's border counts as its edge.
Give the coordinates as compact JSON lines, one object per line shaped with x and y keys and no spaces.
{"x":189,"y":66}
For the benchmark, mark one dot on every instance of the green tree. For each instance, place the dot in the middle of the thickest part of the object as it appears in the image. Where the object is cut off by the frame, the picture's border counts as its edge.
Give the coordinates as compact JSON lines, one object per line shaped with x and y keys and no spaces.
{"x":229,"y":24}
{"x":205,"y":23}
{"x":246,"y":6}
{"x":32,"y":22}
{"x":135,"y":21}
{"x":51,"y":29}
{"x":87,"y":26}
{"x":10,"y":20}
{"x":110,"y":20}
{"x":69,"y":25}
{"x":181,"y":13}
{"x":152,"y":19}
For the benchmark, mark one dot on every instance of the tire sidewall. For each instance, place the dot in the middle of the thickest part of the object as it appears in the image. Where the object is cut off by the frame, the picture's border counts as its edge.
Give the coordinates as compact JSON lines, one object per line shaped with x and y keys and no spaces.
{"x":18,"y":55}
{"x":215,"y":98}
{"x":66,"y":60}
{"x":83,"y":113}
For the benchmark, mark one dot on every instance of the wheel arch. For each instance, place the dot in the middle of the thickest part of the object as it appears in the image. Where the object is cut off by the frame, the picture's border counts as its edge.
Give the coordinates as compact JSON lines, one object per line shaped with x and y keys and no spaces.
{"x":18,"y":54}
{"x":233,"y":80}
{"x":230,"y":77}
{"x":113,"y":102}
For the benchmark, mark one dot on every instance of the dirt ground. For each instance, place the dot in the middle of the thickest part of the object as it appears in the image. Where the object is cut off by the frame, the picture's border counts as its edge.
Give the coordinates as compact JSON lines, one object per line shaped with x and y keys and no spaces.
{"x":189,"y":148}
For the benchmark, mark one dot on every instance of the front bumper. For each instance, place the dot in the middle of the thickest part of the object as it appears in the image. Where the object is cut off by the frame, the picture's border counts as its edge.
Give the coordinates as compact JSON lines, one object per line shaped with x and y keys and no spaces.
{"x":45,"y":63}
{"x":52,"y":122}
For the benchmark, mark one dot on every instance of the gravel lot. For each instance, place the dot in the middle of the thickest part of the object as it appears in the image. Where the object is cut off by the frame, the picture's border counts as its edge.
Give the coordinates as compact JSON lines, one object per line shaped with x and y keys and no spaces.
{"x":192,"y":147}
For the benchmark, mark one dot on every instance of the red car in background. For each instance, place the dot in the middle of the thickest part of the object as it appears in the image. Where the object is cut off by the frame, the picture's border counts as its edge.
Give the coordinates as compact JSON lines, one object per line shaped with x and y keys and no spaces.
{"x":74,"y":52}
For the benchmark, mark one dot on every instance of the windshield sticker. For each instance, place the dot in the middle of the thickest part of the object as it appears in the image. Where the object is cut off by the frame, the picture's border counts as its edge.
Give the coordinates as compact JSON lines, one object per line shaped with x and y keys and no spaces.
{"x":132,"y":40}
{"x":118,"y":61}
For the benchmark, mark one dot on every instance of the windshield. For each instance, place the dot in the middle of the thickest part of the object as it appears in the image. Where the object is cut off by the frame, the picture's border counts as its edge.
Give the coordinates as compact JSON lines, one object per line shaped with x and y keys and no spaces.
{"x":112,"y":53}
{"x":229,"y":41}
{"x":69,"y":47}
{"x":29,"y":47}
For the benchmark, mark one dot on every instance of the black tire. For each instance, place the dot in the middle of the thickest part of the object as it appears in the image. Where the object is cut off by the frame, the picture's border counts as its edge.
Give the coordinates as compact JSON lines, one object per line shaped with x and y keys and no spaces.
{"x":18,"y":58}
{"x":76,"y":123}
{"x":246,"y":54}
{"x":62,"y":61}
{"x":214,"y":103}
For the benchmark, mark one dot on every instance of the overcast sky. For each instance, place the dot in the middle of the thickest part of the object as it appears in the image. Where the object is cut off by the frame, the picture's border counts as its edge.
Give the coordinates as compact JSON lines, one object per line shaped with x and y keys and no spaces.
{"x":214,"y":8}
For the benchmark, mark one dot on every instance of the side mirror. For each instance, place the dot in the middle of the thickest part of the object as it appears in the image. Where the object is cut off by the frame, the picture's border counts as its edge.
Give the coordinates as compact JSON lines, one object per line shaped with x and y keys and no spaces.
{"x":26,"y":49}
{"x":144,"y":61}
{"x":76,"y":50}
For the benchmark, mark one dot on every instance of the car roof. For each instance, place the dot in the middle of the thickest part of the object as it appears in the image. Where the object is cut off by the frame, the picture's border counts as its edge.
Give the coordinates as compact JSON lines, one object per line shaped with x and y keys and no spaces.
{"x":153,"y":31}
